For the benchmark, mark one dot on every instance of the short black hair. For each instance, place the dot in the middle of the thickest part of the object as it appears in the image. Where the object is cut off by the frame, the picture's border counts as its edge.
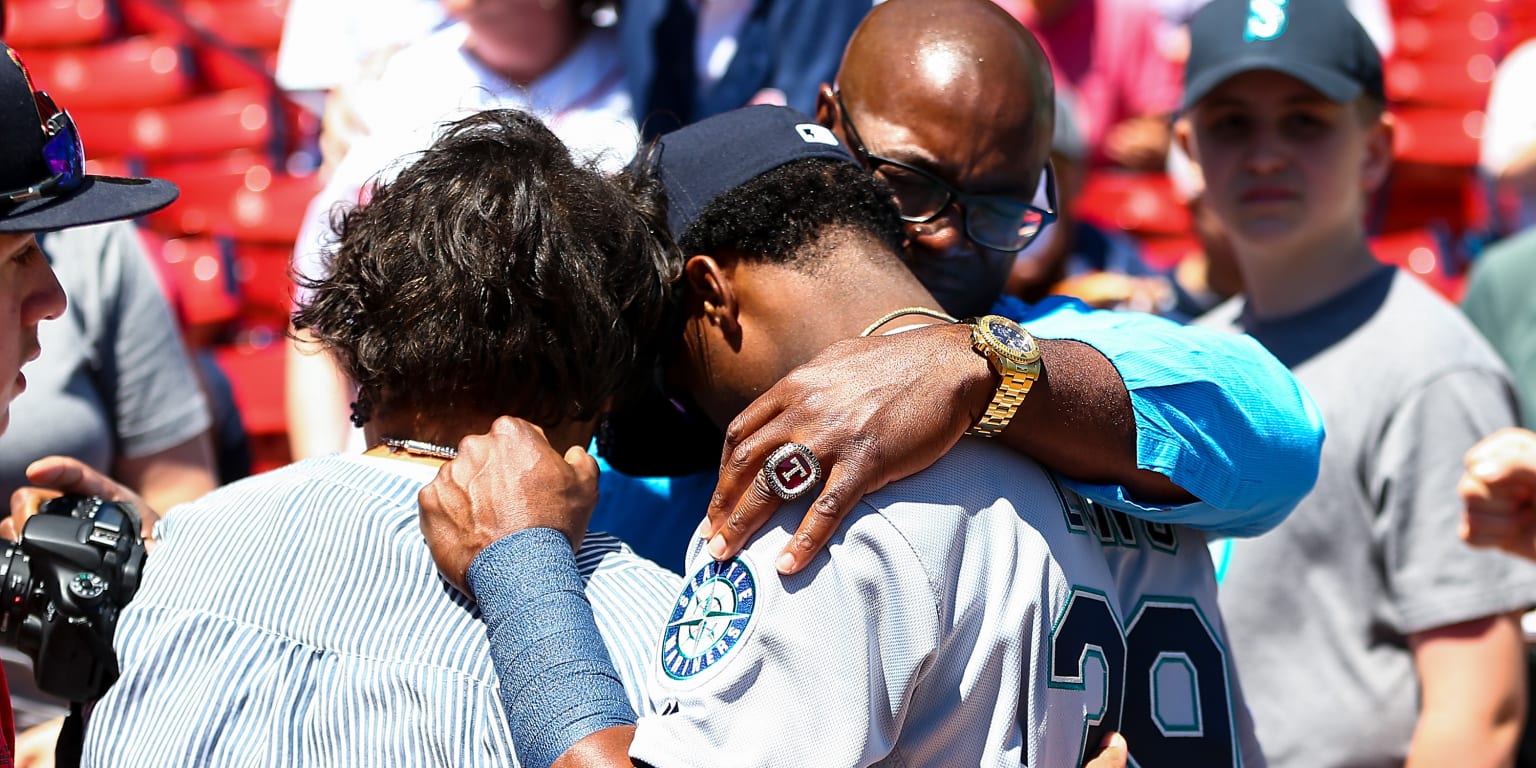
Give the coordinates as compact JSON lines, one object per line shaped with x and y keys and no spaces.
{"x":782,"y":214}
{"x":494,"y":275}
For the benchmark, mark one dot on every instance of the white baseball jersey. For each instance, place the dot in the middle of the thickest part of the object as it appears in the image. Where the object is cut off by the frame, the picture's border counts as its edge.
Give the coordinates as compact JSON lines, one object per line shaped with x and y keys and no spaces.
{"x":974,"y":614}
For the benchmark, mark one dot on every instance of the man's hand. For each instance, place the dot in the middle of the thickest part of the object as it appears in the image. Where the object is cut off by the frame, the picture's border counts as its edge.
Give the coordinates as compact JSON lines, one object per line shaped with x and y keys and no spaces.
{"x":35,"y":746}
{"x":873,"y":411}
{"x":1499,"y":491}
{"x":507,"y":480}
{"x":59,"y":475}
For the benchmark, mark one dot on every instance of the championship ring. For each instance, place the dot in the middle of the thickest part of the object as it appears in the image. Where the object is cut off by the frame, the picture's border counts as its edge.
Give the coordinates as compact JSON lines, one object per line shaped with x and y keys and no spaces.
{"x":791,"y":470}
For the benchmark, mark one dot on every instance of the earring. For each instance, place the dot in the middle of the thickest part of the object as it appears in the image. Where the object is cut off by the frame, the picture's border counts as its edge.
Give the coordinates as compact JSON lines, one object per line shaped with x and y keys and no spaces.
{"x":362,"y":410}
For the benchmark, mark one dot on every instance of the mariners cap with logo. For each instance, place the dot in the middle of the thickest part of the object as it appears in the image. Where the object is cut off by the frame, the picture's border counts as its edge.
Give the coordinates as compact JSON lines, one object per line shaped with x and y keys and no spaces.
{"x":43,"y":183}
{"x":1318,"y":42}
{"x":703,"y":161}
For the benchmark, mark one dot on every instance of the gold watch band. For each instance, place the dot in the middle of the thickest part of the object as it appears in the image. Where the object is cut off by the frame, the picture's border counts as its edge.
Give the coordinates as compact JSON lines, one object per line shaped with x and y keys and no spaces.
{"x":1014,"y":387}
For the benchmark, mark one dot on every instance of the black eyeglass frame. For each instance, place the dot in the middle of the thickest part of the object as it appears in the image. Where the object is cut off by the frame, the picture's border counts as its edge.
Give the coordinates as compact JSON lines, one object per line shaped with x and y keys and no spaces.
{"x":62,"y":147}
{"x":954,"y":196}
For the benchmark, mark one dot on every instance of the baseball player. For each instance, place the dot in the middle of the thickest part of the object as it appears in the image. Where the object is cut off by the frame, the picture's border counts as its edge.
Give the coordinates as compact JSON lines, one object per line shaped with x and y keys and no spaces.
{"x":976,"y":613}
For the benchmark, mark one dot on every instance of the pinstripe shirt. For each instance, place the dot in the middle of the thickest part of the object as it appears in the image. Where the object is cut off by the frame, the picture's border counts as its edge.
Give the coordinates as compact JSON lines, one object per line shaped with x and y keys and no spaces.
{"x":296,"y":618}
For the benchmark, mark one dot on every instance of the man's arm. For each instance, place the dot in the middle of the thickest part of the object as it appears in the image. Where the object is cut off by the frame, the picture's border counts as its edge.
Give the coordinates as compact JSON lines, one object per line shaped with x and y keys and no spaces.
{"x":1472,"y":678}
{"x":1172,"y":423}
{"x":316,"y":395}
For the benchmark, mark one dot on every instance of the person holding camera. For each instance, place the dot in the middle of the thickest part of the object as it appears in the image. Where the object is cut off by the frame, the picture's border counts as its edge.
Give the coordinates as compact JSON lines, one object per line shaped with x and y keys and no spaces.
{"x":44,"y":188}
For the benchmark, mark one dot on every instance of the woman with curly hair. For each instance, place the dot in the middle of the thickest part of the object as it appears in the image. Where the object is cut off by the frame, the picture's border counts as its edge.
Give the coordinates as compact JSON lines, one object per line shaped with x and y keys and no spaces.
{"x":296,"y":618}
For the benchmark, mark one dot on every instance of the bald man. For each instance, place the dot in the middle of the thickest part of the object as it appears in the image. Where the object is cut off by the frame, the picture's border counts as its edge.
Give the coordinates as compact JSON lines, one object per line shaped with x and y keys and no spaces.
{"x":952,"y":103}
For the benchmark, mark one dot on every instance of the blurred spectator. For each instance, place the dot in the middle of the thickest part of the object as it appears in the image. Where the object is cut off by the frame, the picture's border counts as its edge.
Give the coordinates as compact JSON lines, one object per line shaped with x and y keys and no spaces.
{"x":1365,"y":633}
{"x":688,"y":59}
{"x":1108,"y":52}
{"x":1374,"y":15}
{"x":114,"y":388}
{"x":1499,"y":303}
{"x":1509,"y":132}
{"x":1206,"y":275}
{"x":543,"y":57}
{"x":1077,"y":258}
{"x":329,"y":43}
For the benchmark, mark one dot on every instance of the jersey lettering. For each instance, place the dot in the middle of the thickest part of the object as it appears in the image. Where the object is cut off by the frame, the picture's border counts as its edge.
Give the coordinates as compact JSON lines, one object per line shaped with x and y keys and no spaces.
{"x":1164,"y":679}
{"x":1114,"y":528}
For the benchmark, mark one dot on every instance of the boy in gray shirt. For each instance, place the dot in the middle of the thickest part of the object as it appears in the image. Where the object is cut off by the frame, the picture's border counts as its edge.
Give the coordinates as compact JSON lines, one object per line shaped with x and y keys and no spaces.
{"x":1364,"y":631}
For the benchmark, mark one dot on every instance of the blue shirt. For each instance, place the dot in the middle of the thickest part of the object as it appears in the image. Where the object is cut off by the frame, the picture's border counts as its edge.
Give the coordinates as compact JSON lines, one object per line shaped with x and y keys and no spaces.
{"x":1216,"y":413}
{"x":296,"y":618}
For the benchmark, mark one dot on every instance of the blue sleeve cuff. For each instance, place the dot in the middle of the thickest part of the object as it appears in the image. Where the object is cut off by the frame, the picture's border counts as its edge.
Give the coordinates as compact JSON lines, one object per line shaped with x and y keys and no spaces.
{"x":1216,"y":413}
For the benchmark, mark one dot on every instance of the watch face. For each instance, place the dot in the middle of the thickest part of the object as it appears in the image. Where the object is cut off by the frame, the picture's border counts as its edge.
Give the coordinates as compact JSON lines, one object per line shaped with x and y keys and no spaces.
{"x":1013,"y":340}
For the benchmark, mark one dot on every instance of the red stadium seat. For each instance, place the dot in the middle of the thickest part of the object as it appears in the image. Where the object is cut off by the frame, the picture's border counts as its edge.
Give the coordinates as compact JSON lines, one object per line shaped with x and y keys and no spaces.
{"x":132,"y":72}
{"x":52,"y":23}
{"x":241,"y":196}
{"x":1420,"y":252}
{"x":255,"y":372}
{"x":1402,"y":9}
{"x":199,"y":282}
{"x":1167,"y":252}
{"x":1419,"y":194}
{"x":1140,"y":203}
{"x":223,"y":69}
{"x":1449,"y":38}
{"x":200,"y":125}
{"x":1460,"y":84}
{"x":266,"y":289}
{"x":1437,"y":136}
{"x":241,"y":23}
{"x":110,"y":166}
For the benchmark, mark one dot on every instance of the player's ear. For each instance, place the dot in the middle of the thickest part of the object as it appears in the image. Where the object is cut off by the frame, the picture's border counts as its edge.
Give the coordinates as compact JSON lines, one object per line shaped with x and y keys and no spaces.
{"x":1183,"y":128}
{"x":714,"y":294}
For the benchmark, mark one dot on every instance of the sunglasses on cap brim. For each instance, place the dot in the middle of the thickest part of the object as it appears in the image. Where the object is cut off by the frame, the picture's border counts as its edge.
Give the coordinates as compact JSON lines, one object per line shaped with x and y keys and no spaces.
{"x":63,"y":152}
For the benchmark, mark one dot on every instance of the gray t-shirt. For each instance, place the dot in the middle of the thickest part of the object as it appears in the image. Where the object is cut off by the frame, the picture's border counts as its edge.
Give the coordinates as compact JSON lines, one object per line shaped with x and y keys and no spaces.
{"x":1320,"y":610}
{"x":114,"y":378}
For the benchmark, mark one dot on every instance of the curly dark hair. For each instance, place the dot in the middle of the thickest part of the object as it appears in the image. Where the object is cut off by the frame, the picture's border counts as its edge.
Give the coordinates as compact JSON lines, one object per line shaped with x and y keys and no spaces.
{"x":783,"y":214}
{"x":495,"y":275}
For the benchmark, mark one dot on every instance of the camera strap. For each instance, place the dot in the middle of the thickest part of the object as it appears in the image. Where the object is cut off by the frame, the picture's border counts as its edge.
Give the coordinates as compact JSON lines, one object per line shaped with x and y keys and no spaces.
{"x":71,"y":745}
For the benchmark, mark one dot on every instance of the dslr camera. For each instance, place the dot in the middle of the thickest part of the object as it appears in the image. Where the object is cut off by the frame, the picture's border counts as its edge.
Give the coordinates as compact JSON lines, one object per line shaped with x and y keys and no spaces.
{"x":61,"y":587}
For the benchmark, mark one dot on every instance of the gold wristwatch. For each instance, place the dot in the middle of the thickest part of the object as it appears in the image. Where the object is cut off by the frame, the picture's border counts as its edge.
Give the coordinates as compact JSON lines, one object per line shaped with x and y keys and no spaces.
{"x":1015,"y":357}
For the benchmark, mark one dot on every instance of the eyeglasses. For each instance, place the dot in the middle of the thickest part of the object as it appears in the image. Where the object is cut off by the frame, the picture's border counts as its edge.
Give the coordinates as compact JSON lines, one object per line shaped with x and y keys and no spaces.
{"x":63,"y":153}
{"x":999,"y":223}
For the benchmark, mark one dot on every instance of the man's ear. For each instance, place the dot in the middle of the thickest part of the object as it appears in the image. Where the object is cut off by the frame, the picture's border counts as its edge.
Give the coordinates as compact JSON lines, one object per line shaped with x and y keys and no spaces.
{"x":1378,"y":153}
{"x":826,"y":107}
{"x":714,"y":295}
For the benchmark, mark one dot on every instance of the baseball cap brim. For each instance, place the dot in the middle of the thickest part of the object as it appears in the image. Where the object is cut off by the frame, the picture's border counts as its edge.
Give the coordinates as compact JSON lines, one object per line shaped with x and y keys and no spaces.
{"x":98,"y":199}
{"x":1331,"y":84}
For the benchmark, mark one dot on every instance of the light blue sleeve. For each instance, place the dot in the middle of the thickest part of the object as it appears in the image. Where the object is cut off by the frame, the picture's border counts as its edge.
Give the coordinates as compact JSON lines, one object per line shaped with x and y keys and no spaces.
{"x":1216,"y":413}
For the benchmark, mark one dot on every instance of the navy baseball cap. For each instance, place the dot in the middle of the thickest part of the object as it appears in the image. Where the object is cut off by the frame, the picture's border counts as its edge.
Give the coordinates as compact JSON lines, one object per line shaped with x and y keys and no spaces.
{"x":702,"y":161}
{"x":1318,"y":42}
{"x":43,"y":183}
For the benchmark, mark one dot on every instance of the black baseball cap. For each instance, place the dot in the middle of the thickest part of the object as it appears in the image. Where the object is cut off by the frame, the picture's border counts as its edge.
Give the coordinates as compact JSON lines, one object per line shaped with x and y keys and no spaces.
{"x":703,"y":161}
{"x":1318,"y":42}
{"x":43,"y":184}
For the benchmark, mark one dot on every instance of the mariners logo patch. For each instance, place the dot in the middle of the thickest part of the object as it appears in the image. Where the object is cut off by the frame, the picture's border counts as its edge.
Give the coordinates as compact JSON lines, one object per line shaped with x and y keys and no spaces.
{"x":710,"y":618}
